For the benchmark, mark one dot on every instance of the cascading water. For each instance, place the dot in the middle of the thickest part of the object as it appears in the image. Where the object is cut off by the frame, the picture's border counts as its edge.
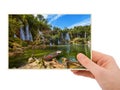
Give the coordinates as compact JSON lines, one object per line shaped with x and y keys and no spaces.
{"x":15,"y":36}
{"x":89,"y":44}
{"x":22,"y":34}
{"x":31,"y":38}
{"x":61,"y":35}
{"x":27,"y":33}
{"x":50,"y":44}
{"x":41,"y":34}
{"x":85,"y":35}
{"x":58,"y":41}
{"x":67,"y":37}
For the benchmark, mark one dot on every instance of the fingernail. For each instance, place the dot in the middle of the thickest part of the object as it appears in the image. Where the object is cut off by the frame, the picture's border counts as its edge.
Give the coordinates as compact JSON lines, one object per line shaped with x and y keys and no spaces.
{"x":80,"y":56}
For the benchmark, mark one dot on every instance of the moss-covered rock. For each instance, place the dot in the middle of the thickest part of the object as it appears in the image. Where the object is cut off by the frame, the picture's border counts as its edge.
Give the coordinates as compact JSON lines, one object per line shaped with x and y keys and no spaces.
{"x":78,"y":41}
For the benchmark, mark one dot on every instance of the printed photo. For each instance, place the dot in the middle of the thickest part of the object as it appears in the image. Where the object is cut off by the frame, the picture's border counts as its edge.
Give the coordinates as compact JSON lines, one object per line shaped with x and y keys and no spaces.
{"x":48,"y":41}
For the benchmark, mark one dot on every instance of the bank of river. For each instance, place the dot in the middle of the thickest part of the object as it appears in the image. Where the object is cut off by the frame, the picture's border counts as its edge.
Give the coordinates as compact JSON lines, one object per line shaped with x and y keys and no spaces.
{"x":68,"y":51}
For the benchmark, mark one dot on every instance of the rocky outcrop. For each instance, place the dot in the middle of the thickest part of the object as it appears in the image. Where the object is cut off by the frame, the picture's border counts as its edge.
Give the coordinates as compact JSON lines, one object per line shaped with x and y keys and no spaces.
{"x":34,"y":63}
{"x":50,"y":62}
{"x":31,"y":59}
{"x":70,"y":64}
{"x":16,"y":50}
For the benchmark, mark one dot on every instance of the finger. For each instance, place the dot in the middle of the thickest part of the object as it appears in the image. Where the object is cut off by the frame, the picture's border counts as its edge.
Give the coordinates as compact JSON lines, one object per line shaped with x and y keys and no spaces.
{"x":83,"y":73}
{"x":86,"y":62}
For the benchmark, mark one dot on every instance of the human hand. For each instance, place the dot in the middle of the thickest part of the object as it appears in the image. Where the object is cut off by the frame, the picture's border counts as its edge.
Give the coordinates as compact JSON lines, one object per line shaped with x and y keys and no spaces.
{"x":103,"y":68}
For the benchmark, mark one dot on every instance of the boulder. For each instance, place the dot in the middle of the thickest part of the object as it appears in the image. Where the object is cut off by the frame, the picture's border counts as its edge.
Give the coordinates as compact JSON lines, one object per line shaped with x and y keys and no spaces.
{"x":30,"y":60}
{"x":16,"y":44}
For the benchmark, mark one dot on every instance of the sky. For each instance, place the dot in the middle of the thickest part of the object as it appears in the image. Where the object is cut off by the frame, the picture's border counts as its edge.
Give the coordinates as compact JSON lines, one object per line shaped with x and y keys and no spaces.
{"x":68,"y":20}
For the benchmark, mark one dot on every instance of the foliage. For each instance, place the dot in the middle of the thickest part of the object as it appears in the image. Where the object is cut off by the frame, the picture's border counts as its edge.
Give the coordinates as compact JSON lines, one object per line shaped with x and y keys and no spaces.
{"x":78,"y":34}
{"x":14,"y":25}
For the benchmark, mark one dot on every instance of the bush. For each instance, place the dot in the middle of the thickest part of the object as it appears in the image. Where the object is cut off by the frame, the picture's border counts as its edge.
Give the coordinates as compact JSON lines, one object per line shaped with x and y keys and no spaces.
{"x":78,"y":41}
{"x":24,"y":44}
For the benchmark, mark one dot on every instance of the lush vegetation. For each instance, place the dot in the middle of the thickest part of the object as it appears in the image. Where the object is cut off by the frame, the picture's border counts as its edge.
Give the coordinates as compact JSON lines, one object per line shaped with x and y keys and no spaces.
{"x":43,"y":36}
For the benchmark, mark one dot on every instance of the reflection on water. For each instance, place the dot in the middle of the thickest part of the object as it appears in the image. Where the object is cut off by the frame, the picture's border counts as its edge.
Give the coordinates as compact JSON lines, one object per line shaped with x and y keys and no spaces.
{"x":70,"y":51}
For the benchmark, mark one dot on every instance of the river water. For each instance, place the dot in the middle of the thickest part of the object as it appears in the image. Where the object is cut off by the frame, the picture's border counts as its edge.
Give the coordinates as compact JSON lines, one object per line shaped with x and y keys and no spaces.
{"x":70,"y":51}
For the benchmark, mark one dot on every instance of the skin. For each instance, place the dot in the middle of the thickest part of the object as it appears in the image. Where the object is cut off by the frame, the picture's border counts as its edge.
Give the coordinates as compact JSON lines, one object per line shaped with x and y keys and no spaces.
{"x":102,"y":68}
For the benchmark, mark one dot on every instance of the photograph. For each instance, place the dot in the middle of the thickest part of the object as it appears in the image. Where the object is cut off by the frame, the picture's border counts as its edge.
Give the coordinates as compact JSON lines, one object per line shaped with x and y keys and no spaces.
{"x":48,"y":41}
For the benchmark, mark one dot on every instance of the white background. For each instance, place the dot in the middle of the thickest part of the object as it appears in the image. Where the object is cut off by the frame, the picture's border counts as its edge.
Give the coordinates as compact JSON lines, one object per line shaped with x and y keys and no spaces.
{"x":105,"y":38}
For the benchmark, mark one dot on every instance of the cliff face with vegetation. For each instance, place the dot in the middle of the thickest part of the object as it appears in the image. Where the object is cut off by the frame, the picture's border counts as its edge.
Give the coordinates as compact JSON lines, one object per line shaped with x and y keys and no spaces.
{"x":28,"y":33}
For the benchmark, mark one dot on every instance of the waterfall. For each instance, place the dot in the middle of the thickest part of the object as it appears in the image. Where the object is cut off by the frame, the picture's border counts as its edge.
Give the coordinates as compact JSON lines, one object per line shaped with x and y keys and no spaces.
{"x":85,"y":35}
{"x":58,"y":41}
{"x":27,"y":33}
{"x":22,"y":34}
{"x":61,"y":35}
{"x":89,"y":44}
{"x":41,"y":34}
{"x":31,"y":38}
{"x":15,"y":36}
{"x":50,"y":44}
{"x":67,"y":37}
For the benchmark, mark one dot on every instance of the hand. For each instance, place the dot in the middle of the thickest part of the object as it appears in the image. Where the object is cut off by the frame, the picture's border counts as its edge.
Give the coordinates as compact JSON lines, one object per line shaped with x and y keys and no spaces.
{"x":103,"y":68}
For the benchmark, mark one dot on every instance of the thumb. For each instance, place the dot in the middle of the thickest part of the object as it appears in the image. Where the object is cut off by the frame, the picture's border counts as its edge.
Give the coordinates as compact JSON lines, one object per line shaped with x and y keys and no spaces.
{"x":86,"y":62}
